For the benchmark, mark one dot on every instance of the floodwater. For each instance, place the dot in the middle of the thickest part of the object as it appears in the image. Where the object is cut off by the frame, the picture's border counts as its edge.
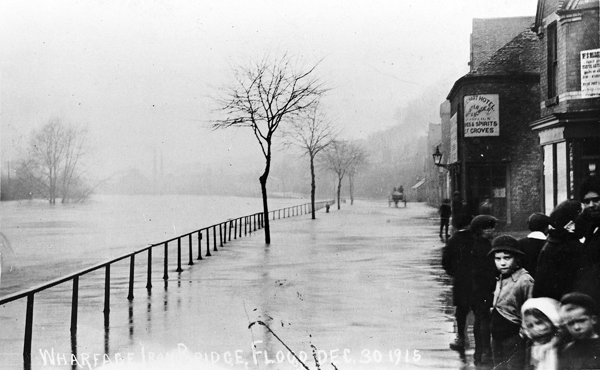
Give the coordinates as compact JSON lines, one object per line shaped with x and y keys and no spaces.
{"x":358,"y":288}
{"x":47,"y":242}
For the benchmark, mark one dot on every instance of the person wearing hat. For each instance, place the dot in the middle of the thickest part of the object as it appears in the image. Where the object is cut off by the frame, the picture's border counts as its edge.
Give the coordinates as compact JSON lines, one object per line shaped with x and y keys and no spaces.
{"x":560,"y":259}
{"x":456,"y":261}
{"x":533,"y":243}
{"x":513,"y":287}
{"x":579,"y":316}
{"x":588,"y":281}
{"x":483,"y":279}
{"x":542,"y":326}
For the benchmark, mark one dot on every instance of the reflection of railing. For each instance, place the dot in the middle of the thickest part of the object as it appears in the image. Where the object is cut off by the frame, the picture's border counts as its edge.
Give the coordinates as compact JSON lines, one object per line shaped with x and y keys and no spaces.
{"x":244,"y":224}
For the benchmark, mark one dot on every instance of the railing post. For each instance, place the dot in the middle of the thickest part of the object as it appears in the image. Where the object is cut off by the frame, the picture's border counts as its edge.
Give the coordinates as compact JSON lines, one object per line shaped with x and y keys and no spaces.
{"x":254,"y":217}
{"x":179,"y":269}
{"x":74,"y":304}
{"x":230,"y":230}
{"x":240,"y":226}
{"x":166,"y":267}
{"x":220,"y":235}
{"x":207,"y":242}
{"x":131,"y":266}
{"x":245,"y":225}
{"x":28,"y":328}
{"x":149,"y":278}
{"x":249,"y":222}
{"x":190,"y":262}
{"x":199,"y":244}
{"x":235,"y":229}
{"x":106,"y":295}
{"x":214,"y":238}
{"x":224,"y":235}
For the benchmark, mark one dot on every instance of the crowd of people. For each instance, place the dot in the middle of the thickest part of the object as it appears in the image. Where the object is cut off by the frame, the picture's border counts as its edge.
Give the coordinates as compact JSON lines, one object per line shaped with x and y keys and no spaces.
{"x":534,"y":299}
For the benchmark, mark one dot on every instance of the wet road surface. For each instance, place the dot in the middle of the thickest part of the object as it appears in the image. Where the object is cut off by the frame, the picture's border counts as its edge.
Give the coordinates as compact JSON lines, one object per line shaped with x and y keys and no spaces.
{"x":358,"y":288}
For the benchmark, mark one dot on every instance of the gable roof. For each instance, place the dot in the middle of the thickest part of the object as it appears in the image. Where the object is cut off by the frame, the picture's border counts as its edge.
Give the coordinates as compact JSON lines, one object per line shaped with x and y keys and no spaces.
{"x":519,"y":55}
{"x":519,"y":58}
{"x":490,"y":34}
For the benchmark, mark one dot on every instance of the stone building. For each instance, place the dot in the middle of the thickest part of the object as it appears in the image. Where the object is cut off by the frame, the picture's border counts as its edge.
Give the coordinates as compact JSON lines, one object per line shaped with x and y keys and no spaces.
{"x":569,"y":100}
{"x":491,"y":153}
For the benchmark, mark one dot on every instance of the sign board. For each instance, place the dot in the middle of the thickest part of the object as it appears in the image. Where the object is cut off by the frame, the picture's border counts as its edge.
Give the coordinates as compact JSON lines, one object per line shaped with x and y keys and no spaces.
{"x":453,"y":139}
{"x":482,"y":115}
{"x":590,"y":73}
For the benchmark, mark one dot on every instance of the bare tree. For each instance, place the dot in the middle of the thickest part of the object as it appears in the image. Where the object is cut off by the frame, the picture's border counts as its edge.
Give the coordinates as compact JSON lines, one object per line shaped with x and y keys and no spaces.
{"x":53,"y":163}
{"x":264,"y":96}
{"x":360,"y":159}
{"x":312,"y":135}
{"x":340,"y":157}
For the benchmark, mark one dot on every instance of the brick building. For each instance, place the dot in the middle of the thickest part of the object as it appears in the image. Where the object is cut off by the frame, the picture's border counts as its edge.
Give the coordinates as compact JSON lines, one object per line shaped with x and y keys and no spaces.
{"x":569,"y":125}
{"x":492,"y":153}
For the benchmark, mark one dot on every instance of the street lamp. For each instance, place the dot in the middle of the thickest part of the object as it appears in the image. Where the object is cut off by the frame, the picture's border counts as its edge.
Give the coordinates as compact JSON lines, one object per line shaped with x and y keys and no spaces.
{"x":437,"y":158}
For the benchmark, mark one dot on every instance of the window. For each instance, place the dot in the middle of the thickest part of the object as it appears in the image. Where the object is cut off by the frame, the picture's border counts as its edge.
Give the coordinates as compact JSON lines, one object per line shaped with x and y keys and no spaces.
{"x":552,"y":60}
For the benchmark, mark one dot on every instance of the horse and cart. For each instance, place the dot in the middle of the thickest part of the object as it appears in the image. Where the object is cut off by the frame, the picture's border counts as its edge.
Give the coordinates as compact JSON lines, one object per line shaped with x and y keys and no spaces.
{"x":396,"y":196}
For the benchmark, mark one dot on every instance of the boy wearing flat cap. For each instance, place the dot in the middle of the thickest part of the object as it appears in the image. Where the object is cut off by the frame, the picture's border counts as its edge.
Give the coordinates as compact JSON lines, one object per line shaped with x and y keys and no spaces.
{"x":579,"y":316}
{"x":513,"y":288}
{"x":533,"y":243}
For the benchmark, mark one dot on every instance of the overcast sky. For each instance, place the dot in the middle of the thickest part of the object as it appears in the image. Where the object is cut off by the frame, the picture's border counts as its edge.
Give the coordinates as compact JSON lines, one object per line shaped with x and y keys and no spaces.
{"x":141,"y":74}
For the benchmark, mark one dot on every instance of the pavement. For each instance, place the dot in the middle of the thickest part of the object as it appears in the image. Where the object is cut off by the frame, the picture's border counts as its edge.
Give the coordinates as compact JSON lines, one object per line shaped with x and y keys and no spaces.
{"x":358,"y":288}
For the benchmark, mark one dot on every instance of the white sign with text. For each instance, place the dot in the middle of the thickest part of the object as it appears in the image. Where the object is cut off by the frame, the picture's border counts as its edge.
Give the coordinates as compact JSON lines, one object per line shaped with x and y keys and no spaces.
{"x":590,"y":73}
{"x":482,"y":115}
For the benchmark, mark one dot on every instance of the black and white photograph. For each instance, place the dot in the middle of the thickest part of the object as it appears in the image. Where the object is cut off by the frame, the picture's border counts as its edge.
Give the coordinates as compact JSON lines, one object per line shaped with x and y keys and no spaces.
{"x":315,"y":185}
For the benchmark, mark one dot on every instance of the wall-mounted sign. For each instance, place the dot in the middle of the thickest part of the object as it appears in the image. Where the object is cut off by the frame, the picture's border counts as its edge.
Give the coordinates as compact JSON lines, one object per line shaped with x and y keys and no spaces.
{"x":590,"y":73}
{"x":482,"y":115}
{"x":453,"y":139}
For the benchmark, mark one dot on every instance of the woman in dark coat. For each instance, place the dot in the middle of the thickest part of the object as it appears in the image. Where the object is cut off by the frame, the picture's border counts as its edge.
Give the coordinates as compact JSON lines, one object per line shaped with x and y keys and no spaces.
{"x":589,"y":222}
{"x":559,"y":261}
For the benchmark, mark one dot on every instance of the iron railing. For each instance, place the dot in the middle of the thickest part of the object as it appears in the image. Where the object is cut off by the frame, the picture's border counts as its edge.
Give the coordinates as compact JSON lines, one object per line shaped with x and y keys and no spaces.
{"x":241,"y":226}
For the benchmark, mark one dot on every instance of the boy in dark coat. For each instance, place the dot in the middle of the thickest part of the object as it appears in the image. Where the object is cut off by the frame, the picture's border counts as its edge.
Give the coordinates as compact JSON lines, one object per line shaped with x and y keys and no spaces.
{"x":456,"y":261}
{"x":533,"y":243}
{"x":559,"y":260}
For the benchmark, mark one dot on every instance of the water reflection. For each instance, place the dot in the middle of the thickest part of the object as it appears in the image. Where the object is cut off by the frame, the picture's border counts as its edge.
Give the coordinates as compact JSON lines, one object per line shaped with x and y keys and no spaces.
{"x":130,"y":321}
{"x":74,"y":350}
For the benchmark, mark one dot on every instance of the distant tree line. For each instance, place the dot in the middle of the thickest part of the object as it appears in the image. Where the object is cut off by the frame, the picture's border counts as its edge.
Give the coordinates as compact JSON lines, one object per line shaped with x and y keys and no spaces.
{"x":52,"y":166}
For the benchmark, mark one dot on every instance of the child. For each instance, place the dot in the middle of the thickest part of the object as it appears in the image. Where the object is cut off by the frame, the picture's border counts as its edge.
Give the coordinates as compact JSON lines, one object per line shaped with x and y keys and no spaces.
{"x":513,"y":288}
{"x":533,"y":243}
{"x":578,"y":314}
{"x":541,"y":322}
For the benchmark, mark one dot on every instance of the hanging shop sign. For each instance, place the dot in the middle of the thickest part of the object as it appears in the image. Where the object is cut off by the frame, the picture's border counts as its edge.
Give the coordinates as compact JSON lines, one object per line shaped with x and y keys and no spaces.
{"x":590,"y":73}
{"x":482,"y":115}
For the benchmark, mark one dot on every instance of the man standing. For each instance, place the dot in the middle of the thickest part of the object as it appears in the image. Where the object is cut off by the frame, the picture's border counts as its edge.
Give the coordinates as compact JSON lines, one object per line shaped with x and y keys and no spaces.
{"x":445,"y":212}
{"x":456,"y":261}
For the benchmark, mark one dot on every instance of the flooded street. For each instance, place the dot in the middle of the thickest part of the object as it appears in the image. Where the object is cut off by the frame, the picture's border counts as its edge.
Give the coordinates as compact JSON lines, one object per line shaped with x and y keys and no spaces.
{"x":359,"y":288}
